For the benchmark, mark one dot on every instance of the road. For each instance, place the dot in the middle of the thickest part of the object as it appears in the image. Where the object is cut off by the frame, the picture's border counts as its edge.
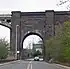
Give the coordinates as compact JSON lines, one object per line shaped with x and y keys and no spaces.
{"x":30,"y":65}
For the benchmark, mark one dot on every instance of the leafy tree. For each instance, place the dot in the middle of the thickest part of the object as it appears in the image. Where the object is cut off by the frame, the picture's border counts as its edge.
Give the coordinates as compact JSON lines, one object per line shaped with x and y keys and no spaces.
{"x":58,"y":47}
{"x":66,"y":41}
{"x":37,"y":53}
{"x":53,"y":46}
{"x":3,"y":48}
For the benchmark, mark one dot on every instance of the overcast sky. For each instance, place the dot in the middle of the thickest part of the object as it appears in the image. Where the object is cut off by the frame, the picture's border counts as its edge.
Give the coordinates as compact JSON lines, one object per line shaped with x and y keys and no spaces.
{"x":30,"y":40}
{"x":6,"y":6}
{"x":30,"y":5}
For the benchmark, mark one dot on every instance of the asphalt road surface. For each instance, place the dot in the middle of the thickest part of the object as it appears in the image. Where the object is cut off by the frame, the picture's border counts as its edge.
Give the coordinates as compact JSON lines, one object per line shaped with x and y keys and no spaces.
{"x":30,"y":65}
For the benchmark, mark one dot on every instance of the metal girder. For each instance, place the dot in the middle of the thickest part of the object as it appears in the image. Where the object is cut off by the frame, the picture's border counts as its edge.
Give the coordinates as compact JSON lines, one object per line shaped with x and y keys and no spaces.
{"x":5,"y":20}
{"x":5,"y":15}
{"x":6,"y":24}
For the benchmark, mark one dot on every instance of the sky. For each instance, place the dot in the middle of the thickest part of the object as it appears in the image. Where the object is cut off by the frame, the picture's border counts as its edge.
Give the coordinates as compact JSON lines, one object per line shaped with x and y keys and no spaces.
{"x":6,"y":6}
{"x":30,"y":40}
{"x":5,"y":33}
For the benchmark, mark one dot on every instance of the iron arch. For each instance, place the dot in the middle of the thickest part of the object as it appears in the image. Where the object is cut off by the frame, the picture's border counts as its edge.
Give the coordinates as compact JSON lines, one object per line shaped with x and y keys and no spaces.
{"x":5,"y":26}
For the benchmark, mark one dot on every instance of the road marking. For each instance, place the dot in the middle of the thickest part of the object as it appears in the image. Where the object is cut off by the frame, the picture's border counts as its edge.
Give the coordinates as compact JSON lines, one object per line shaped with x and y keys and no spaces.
{"x":29,"y":64}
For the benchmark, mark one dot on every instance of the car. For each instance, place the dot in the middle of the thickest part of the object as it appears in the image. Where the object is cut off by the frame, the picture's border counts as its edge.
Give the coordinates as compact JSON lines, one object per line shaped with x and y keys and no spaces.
{"x":36,"y":59}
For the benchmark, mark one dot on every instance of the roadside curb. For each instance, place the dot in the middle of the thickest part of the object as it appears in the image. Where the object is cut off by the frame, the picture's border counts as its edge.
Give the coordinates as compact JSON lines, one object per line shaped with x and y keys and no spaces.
{"x":9,"y":62}
{"x":63,"y":66}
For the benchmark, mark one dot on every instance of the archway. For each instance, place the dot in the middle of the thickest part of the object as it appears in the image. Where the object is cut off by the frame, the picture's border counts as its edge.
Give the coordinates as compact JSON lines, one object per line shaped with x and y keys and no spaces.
{"x":32,"y":45}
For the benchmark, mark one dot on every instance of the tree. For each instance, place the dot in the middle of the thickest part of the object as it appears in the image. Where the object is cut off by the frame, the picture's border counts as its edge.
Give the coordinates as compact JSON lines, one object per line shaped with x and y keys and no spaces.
{"x":37,"y":53}
{"x":62,"y":2}
{"x":58,"y":47}
{"x":53,"y":45}
{"x":3,"y":48}
{"x":66,"y":41}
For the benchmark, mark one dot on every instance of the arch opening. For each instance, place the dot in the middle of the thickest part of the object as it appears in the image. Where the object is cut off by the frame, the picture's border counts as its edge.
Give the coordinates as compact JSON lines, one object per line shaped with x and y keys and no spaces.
{"x":32,"y":45}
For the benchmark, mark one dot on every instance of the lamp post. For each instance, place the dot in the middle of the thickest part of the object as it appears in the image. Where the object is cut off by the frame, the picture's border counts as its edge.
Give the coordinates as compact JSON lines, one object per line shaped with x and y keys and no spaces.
{"x":16,"y":39}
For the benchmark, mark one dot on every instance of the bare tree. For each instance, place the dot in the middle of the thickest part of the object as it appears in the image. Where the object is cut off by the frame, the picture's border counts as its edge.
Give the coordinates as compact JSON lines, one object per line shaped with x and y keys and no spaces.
{"x":62,"y":2}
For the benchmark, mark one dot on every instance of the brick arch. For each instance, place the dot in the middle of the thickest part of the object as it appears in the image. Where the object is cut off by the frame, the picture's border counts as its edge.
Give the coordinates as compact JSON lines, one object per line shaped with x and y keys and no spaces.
{"x":31,"y":33}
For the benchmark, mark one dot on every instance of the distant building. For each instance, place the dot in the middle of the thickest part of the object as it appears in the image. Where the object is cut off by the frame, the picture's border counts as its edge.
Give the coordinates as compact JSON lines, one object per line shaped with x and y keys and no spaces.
{"x":37,"y":46}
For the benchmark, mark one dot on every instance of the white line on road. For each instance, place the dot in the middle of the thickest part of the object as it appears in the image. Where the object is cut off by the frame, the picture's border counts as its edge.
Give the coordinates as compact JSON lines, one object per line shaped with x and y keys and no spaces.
{"x":29,"y":65}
